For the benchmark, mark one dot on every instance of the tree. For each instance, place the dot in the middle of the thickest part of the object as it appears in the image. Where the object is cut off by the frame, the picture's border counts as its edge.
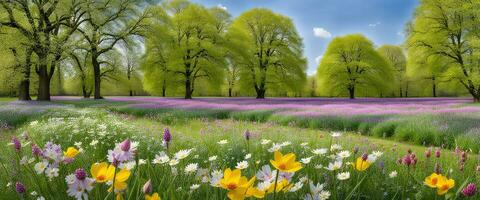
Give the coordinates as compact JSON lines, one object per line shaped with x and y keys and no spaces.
{"x":80,"y":63}
{"x":186,"y":45}
{"x":449,"y":29}
{"x":47,"y":26}
{"x":232,"y":77}
{"x":268,"y":50}
{"x":351,"y":63}
{"x":396,"y":58}
{"x":108,"y":23}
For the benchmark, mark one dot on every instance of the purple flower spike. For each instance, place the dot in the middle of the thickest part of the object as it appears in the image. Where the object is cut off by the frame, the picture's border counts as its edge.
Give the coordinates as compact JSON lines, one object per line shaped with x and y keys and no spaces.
{"x":166,"y":135}
{"x":16,"y":143}
{"x":36,"y":151}
{"x":364,"y":157}
{"x":80,"y":174}
{"x":248,"y":135}
{"x":470,"y":190}
{"x":125,"y":145}
{"x":20,"y":188}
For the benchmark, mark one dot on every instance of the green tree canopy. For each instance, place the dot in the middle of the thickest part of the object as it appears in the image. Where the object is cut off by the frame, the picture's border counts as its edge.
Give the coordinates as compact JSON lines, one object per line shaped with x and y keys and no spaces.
{"x":395,"y":56}
{"x":351,"y":63}
{"x":268,"y":50}
{"x":449,"y":29}
{"x":185,"y":44}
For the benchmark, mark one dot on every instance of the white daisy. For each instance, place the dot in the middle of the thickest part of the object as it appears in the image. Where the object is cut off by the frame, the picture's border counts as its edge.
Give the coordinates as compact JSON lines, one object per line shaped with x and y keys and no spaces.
{"x":306,"y":160}
{"x":334,"y":166}
{"x":183,"y":154}
{"x":336,"y":134}
{"x":248,"y":156}
{"x":222,"y":142}
{"x":344,"y":154}
{"x":321,"y":151}
{"x":41,"y":166}
{"x":242,"y":165}
{"x":343,"y":176}
{"x":194,"y":186}
{"x":393,"y":174}
{"x":265,"y":141}
{"x":212,"y":158}
{"x":190,"y":168}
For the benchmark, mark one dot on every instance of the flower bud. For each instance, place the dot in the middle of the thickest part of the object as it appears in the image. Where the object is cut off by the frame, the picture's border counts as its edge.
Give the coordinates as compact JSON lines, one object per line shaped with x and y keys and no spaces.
{"x":437,"y":153}
{"x":16,"y":143}
{"x":80,"y":174}
{"x":247,"y":135}
{"x":167,"y":136}
{"x":364,"y":157}
{"x":36,"y":151}
{"x":469,"y":190}
{"x":147,"y":188}
{"x":20,"y":188}
{"x":125,"y":145}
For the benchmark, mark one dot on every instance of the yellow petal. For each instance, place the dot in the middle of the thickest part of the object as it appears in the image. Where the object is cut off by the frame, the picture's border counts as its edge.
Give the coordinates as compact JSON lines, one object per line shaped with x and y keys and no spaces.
{"x":122,"y":176}
{"x":277,"y":156}
{"x":154,"y":196}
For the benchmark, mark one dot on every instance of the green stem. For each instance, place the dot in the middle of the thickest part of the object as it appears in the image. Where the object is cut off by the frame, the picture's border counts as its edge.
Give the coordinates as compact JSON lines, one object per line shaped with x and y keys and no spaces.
{"x":275,"y":186}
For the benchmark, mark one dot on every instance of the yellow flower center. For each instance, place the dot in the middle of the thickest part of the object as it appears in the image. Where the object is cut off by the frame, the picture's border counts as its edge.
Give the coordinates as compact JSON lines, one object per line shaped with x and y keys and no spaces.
{"x":434,"y":181}
{"x":101,"y":177}
{"x":444,"y":187}
{"x":232,"y":186}
{"x":282,"y":166}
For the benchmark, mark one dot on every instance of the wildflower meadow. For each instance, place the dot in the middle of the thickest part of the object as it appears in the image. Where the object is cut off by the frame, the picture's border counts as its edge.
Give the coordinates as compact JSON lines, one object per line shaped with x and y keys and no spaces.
{"x":87,"y":152}
{"x":239,"y":99}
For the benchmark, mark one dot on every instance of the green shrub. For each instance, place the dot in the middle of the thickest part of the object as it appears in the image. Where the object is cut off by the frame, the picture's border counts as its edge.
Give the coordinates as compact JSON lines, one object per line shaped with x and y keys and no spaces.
{"x":470,"y":140}
{"x":385,"y":129}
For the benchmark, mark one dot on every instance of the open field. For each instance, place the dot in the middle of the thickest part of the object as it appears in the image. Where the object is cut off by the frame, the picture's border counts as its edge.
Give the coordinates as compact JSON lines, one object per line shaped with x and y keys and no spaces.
{"x":211,"y":143}
{"x":447,"y":122}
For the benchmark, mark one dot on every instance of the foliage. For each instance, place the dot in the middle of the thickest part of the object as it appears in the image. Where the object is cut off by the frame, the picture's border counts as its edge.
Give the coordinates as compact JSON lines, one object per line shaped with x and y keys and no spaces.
{"x":449,"y":30}
{"x":268,"y":50}
{"x":351,"y":64}
{"x":396,"y":58}
{"x":185,"y":45}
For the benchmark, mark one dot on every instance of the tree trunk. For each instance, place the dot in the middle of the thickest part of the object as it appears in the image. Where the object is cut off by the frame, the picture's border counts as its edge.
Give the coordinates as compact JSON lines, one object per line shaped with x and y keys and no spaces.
{"x":401,"y":92}
{"x":188,"y":90}
{"x":434,"y":87}
{"x":24,"y":90}
{"x":96,"y":75}
{"x":406,"y":90}
{"x":229,"y":92}
{"x":164,"y":87}
{"x":43,"y":83}
{"x":261,"y":93}
{"x":131,"y":93}
{"x":351,"y":92}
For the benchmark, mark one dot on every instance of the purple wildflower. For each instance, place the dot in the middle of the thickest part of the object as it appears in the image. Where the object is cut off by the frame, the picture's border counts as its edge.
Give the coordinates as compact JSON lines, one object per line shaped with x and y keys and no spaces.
{"x":20,"y":188}
{"x":16,"y":143}
{"x":125,"y":145}
{"x":247,"y":135}
{"x":167,"y":136}
{"x":469,"y":190}
{"x":80,"y":174}
{"x":36,"y":151}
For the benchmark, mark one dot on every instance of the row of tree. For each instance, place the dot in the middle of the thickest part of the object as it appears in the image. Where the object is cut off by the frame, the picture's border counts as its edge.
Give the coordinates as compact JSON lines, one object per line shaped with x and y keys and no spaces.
{"x":188,"y":44}
{"x":46,"y":35}
{"x":183,"y":48}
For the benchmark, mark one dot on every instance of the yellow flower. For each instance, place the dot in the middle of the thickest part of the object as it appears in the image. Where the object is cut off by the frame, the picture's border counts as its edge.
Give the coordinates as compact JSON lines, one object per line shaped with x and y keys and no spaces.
{"x":119,"y":196}
{"x":120,"y":179}
{"x":285,"y":163}
{"x":282,"y":185}
{"x":236,"y":184}
{"x":71,"y":152}
{"x":444,"y":185}
{"x":154,"y":196}
{"x":102,"y":172}
{"x":255,"y":192}
{"x":362,"y":165}
{"x":433,"y":179}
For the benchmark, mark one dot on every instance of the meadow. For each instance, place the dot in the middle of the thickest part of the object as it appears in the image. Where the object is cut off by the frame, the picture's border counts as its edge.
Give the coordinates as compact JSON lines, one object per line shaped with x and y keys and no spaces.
{"x":213,"y":148}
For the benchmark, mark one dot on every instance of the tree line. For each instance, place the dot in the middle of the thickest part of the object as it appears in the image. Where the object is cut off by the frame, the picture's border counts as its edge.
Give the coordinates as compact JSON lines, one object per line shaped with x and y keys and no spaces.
{"x":180,"y":48}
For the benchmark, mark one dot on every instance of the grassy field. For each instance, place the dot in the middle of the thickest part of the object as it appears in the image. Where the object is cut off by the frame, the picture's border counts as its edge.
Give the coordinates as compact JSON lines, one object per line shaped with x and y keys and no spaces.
{"x":203,"y":144}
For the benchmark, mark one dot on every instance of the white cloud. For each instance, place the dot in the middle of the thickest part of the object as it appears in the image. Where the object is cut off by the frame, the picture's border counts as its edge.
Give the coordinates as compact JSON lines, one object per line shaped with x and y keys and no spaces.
{"x":401,"y":34}
{"x":318,"y":59}
{"x":221,"y":7}
{"x":374,"y":25}
{"x":321,"y":33}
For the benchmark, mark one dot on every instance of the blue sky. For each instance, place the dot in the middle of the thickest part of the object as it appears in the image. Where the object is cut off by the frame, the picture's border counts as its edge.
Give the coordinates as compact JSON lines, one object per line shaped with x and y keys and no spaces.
{"x":318,"y":21}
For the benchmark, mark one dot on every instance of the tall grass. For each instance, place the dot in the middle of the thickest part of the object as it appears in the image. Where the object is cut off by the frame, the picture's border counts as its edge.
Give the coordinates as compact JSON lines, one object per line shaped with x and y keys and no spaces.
{"x":427,"y":129}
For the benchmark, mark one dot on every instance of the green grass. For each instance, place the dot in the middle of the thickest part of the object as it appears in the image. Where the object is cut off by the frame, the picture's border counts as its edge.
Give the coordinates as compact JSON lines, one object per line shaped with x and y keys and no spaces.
{"x":201,"y":131}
